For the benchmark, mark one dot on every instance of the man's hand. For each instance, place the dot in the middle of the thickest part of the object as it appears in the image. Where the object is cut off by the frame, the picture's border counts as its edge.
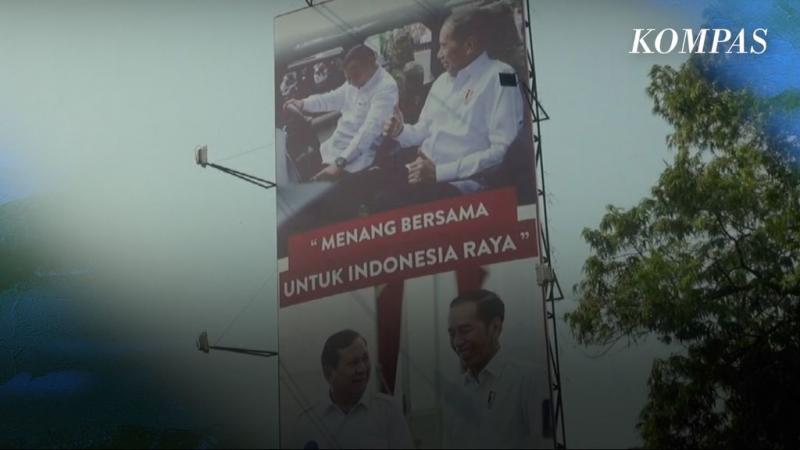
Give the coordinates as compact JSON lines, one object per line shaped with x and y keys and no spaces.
{"x":329,"y":173}
{"x":293,"y":103}
{"x":393,"y":125}
{"x":421,"y":170}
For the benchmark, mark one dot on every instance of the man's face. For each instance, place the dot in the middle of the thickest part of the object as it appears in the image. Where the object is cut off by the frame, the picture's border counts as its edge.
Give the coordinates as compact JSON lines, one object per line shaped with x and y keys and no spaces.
{"x":357,"y":73}
{"x":351,"y":376}
{"x":473,"y":341}
{"x":454,"y":55}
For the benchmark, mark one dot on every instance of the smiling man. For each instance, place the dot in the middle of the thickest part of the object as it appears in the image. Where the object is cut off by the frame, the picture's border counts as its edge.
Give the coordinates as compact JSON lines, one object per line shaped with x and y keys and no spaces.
{"x":350,"y":417}
{"x":469,"y":120}
{"x":498,"y":405}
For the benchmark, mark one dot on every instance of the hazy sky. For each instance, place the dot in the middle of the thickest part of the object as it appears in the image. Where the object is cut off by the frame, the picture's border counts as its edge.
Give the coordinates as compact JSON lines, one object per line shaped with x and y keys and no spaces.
{"x":102,"y":102}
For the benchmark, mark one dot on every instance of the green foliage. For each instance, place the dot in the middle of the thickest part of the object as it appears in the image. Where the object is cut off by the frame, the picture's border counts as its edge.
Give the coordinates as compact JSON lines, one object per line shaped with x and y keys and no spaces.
{"x":709,"y":260}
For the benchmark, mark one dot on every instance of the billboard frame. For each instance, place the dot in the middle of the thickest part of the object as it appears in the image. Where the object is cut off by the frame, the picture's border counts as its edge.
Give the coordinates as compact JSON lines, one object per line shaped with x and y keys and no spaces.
{"x":547,"y":279}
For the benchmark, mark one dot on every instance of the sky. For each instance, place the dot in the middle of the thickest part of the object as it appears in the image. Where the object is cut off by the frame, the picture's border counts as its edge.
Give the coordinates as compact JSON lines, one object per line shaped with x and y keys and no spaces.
{"x":105,"y":101}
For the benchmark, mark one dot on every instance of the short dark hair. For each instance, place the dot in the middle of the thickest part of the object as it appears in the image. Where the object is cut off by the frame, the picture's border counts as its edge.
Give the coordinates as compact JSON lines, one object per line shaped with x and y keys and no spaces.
{"x":336,"y":342}
{"x":489,"y":305}
{"x":360,"y":54}
{"x":468,"y":21}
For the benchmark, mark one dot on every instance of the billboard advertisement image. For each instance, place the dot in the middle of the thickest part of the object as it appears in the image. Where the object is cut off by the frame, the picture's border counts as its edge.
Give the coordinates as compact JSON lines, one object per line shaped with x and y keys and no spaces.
{"x":408,"y":228}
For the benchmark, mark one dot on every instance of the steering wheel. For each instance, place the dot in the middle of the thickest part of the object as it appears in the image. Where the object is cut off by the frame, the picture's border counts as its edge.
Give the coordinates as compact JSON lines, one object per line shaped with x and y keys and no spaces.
{"x":302,"y":145}
{"x":295,"y":113}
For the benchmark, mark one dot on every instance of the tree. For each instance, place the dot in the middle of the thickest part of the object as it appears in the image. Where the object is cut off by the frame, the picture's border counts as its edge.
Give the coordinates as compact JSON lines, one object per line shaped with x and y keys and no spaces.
{"x":709,"y":260}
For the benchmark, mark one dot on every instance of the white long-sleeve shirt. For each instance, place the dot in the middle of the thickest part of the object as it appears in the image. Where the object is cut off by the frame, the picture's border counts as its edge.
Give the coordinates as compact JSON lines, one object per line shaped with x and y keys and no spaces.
{"x":375,"y":422}
{"x":468,"y":121}
{"x":501,"y":409}
{"x":364,"y":111}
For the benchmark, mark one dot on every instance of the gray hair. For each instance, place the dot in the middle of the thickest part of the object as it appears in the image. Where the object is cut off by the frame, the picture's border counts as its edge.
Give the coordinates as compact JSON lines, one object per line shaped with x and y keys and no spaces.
{"x":469,"y":21}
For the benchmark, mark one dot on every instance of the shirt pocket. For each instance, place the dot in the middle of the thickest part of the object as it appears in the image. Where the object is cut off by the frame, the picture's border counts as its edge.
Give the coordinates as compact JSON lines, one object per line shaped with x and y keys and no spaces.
{"x":361,"y":108}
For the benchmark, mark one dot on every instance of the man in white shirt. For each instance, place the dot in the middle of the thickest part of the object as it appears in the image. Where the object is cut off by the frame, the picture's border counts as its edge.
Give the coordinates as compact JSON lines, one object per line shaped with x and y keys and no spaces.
{"x":499,"y":403}
{"x":365,"y":101}
{"x":350,"y":417}
{"x":469,"y":118}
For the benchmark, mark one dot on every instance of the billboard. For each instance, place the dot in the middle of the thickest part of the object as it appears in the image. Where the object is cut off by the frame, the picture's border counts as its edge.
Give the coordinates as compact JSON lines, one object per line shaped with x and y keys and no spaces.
{"x":408,"y":234}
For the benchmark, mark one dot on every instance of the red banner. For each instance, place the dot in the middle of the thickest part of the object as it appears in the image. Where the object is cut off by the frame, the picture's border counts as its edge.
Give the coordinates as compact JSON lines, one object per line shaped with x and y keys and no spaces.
{"x":407,"y":243}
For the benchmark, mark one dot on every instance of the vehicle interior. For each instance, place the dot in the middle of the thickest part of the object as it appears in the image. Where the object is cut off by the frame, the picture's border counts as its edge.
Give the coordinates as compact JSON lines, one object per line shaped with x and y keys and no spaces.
{"x":311,"y":44}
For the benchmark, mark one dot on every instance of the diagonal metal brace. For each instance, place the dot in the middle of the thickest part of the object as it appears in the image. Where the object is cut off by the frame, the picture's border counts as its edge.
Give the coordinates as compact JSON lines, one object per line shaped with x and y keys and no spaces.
{"x":203,"y":346}
{"x":201,"y":158}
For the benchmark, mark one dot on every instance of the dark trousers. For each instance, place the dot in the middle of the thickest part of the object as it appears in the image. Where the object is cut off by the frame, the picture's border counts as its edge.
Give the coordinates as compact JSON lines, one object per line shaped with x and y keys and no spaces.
{"x":395,"y":191}
{"x":381,"y":188}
